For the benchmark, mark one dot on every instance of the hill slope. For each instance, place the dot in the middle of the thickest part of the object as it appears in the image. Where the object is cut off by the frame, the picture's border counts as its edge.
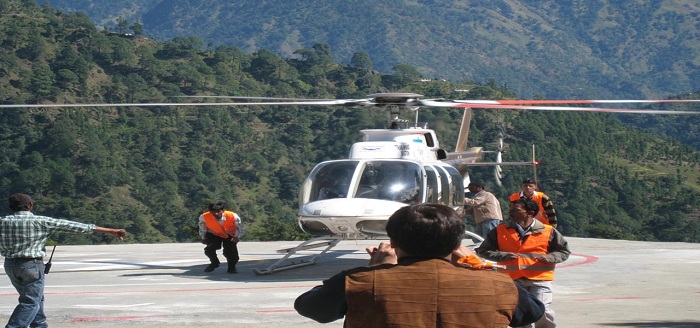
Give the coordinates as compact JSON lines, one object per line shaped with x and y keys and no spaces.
{"x":153,"y":169}
{"x":573,"y":49}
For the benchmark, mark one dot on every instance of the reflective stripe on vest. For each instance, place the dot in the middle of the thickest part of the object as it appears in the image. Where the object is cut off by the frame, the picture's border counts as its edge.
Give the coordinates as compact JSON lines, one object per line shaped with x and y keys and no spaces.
{"x":537,"y":197}
{"x":213,"y":226}
{"x":525,"y":266}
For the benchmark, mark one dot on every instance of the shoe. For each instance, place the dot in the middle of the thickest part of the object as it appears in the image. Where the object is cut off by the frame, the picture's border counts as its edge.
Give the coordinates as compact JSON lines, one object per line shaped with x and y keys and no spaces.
{"x":232,"y":270}
{"x":211,"y":267}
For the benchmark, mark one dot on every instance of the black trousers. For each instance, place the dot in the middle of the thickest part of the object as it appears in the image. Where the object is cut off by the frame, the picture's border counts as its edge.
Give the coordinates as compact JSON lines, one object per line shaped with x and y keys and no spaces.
{"x":215,"y":243}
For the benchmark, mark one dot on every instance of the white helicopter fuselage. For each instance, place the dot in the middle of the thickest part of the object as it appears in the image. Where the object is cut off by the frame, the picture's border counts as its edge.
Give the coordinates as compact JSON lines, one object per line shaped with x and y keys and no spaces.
{"x":390,"y":168}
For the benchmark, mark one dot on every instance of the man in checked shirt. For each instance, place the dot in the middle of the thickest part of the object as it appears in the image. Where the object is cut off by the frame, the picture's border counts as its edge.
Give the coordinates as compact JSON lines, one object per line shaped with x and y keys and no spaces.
{"x":23,"y":238}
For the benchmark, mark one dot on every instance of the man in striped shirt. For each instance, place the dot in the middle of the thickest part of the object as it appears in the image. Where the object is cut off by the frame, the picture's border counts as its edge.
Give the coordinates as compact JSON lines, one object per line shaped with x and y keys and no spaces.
{"x":546,"y":213}
{"x":23,"y":238}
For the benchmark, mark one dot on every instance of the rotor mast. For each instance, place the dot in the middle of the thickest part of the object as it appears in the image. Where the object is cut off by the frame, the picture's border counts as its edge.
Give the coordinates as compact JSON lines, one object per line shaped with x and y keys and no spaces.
{"x":395,"y":102}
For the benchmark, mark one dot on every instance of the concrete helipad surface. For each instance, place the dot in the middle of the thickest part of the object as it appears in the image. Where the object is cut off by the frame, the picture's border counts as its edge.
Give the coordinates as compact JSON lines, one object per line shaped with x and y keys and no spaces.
{"x":606,"y":283}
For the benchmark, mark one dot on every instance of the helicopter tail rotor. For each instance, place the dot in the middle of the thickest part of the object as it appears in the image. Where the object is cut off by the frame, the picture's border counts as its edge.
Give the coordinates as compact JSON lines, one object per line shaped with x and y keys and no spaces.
{"x":498,"y":171}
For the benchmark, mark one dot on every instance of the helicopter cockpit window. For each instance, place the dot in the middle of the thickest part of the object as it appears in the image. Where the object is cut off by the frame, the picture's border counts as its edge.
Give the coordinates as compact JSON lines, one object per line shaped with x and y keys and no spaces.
{"x":332,"y":180}
{"x":429,"y":140}
{"x":391,"y":180}
{"x":399,"y":181}
{"x":369,"y":182}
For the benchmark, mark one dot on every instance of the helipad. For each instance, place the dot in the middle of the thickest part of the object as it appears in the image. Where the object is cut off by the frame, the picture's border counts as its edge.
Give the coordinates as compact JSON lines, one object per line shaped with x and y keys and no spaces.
{"x":605,"y":283}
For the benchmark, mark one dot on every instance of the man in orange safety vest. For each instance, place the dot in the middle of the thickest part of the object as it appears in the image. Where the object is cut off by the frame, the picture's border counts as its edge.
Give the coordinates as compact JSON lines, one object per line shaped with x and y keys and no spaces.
{"x":545,"y":212}
{"x":529,"y":250}
{"x":219,"y":227}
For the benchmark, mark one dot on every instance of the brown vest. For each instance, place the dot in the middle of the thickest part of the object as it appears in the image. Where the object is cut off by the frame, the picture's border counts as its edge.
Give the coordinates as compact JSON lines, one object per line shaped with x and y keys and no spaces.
{"x":428,"y":293}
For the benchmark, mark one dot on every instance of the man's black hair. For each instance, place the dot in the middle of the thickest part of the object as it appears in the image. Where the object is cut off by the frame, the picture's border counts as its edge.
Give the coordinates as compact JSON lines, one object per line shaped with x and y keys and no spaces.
{"x":20,"y":202}
{"x":426,"y":230}
{"x":217,"y":206}
{"x":529,"y":205}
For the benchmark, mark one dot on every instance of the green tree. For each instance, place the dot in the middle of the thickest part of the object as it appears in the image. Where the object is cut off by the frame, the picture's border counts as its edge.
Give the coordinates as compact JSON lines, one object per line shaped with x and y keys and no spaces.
{"x":361,"y":60}
{"x":66,"y":79}
{"x":403,"y":75}
{"x":266,"y":66}
{"x":36,"y":46}
{"x":41,"y":82}
{"x":137,"y":28}
{"x":122,"y":25}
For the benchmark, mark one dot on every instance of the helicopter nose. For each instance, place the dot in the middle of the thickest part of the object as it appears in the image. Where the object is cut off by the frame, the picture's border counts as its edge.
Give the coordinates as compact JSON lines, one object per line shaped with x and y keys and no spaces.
{"x":359,"y":218}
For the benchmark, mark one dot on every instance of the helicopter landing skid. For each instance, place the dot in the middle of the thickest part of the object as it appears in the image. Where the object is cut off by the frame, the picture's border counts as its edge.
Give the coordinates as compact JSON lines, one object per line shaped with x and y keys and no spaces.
{"x":327,"y":242}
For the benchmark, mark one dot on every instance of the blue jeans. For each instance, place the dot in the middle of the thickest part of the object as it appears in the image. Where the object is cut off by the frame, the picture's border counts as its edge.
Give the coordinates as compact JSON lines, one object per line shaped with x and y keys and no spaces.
{"x":483,"y":228}
{"x":27,"y":276}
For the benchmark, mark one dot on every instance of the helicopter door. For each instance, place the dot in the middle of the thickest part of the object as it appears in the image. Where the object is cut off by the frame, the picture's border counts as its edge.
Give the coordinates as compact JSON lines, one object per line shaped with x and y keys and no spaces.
{"x":433,"y":185}
{"x":445,"y":186}
{"x":456,"y":187}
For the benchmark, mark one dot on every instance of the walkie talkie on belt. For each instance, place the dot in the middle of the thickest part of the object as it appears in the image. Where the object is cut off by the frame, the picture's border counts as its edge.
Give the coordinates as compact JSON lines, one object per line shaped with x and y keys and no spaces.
{"x":47,"y":266}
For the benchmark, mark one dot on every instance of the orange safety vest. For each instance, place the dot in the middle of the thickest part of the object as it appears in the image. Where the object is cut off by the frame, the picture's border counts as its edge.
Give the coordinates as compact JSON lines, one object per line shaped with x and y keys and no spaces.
{"x":213,"y":226}
{"x":525,"y":266}
{"x":537,"y":197}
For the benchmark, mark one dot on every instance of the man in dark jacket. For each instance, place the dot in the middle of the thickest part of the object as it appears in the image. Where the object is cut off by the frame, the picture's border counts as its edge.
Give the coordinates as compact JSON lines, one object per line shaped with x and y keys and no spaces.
{"x":410,"y":280}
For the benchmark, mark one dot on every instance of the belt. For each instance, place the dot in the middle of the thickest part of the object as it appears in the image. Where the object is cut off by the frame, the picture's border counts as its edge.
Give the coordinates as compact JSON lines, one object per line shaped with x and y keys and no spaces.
{"x":24,"y":259}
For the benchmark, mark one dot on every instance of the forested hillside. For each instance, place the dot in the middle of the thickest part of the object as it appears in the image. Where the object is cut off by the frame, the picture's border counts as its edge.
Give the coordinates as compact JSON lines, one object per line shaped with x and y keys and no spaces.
{"x":152,"y":170}
{"x":555,"y":49}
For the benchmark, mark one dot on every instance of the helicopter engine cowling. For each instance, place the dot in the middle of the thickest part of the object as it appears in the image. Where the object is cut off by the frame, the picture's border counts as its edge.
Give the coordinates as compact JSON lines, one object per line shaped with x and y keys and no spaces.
{"x":355,"y":218}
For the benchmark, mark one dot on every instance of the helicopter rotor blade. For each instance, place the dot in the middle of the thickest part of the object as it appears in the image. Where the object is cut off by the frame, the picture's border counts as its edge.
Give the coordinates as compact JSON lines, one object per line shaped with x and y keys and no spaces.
{"x":402,"y":100}
{"x":342,"y":102}
{"x":581,"y":109}
{"x":575,"y":101}
{"x":526,"y":104}
{"x":254,"y":98}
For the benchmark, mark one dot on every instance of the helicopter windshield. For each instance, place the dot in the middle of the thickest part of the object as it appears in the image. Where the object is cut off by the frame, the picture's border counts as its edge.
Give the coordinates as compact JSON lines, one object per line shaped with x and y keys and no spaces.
{"x":332,"y":180}
{"x":399,"y":181}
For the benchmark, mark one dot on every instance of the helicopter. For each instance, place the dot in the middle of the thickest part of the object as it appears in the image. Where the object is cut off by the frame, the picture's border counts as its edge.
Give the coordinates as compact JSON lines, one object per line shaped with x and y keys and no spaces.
{"x":387,"y":169}
{"x":390,"y":168}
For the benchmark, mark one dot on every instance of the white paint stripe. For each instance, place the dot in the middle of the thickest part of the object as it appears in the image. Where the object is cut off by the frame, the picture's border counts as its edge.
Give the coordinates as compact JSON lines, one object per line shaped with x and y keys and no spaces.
{"x":164,"y":262}
{"x":148,"y":284}
{"x":90,"y":306}
{"x":9,"y":287}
